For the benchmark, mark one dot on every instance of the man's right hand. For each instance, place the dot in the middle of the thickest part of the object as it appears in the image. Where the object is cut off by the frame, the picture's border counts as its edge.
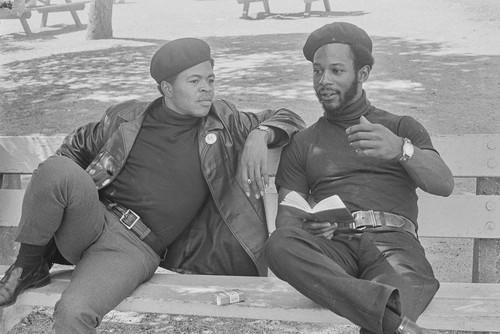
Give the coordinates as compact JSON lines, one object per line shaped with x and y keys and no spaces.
{"x":322,"y":229}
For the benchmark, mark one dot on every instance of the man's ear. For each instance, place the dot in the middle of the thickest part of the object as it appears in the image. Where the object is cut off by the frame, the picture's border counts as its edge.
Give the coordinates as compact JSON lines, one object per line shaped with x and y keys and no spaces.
{"x":364,"y":73}
{"x":166,"y":88}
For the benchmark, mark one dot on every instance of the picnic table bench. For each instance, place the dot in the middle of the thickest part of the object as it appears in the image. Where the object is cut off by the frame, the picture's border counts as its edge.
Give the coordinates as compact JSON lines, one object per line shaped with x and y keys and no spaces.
{"x":45,"y":7}
{"x":475,"y":214}
{"x":307,"y":11}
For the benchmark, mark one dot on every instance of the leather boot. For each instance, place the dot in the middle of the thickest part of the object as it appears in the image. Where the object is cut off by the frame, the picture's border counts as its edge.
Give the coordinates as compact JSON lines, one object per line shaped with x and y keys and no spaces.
{"x":409,"y":327}
{"x":17,"y":279}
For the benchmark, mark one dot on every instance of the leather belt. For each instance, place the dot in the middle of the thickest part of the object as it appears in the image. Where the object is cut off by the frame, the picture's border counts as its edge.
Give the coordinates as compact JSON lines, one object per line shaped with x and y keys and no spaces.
{"x":370,"y":218}
{"x":133,"y":222}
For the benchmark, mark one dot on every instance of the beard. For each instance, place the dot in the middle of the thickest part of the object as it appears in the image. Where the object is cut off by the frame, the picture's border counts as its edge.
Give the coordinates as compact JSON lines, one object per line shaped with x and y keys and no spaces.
{"x":344,"y":98}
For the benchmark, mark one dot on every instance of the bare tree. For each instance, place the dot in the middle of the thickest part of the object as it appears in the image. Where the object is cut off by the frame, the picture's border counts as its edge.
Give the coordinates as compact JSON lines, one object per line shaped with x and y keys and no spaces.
{"x":100,"y":19}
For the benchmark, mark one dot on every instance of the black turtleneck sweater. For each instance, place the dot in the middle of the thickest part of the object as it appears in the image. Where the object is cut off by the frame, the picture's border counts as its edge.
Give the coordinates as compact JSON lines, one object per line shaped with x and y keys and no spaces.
{"x":162,"y":179}
{"x":319,"y":161}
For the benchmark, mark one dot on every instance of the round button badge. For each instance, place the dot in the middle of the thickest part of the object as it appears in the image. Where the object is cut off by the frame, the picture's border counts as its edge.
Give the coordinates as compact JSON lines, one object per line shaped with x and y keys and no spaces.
{"x":210,"y":138}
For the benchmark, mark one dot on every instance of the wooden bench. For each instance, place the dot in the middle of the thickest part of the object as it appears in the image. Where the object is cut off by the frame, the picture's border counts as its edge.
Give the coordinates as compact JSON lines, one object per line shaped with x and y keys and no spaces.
{"x":457,"y":306}
{"x":307,"y":11}
{"x":45,"y":8}
{"x":23,"y":19}
{"x":68,"y":6}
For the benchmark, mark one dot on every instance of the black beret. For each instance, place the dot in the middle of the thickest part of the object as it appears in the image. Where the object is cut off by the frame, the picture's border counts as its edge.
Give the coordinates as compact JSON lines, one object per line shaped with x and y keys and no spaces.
{"x":177,"y":56}
{"x":336,"y":32}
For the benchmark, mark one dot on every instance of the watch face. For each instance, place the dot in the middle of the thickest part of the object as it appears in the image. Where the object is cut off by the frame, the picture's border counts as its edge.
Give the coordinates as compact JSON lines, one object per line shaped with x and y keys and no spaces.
{"x":407,"y":150}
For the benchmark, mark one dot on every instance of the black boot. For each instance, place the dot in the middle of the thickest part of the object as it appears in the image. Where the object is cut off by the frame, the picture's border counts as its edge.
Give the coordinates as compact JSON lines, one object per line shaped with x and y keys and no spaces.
{"x":17,"y":279}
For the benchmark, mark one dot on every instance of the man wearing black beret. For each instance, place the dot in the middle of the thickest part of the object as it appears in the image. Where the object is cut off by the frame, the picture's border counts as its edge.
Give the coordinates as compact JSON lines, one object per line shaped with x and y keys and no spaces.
{"x":176,"y":181}
{"x":371,"y":268}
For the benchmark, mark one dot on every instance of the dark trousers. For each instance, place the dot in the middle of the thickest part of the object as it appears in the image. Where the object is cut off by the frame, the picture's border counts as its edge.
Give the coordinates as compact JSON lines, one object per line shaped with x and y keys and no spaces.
{"x":356,"y":275}
{"x":61,"y":203}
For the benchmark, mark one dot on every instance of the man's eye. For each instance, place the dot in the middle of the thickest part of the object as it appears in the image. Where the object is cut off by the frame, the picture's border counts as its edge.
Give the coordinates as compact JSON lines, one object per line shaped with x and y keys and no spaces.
{"x":195,"y":81}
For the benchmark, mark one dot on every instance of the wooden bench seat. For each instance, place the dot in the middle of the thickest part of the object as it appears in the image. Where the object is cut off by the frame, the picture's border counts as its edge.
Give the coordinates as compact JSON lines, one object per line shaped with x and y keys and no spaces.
{"x":457,"y":306}
{"x":471,"y":214}
{"x":64,"y":7}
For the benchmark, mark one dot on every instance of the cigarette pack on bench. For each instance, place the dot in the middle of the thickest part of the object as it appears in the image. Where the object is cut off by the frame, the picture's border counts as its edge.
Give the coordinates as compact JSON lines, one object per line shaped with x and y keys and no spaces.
{"x":229,"y":297}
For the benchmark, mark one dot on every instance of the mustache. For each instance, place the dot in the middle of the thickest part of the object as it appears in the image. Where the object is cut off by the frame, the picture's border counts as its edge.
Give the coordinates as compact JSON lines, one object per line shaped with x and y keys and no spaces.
{"x":326,"y":89}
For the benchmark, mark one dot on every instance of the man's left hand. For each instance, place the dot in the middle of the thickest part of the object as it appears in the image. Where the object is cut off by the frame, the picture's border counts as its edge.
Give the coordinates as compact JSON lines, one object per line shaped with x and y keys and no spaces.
{"x":321,"y":229}
{"x":252,"y":170}
{"x":374,"y":140}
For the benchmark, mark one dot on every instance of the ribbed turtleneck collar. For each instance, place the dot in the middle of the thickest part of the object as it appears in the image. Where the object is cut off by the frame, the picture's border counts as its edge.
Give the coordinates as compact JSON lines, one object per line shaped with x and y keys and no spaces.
{"x":166,"y":115}
{"x":351,"y":113}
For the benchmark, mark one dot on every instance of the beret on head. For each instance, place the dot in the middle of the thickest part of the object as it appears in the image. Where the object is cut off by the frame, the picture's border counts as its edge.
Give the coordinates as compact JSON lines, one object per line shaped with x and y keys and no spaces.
{"x":336,"y":32}
{"x":177,"y":56}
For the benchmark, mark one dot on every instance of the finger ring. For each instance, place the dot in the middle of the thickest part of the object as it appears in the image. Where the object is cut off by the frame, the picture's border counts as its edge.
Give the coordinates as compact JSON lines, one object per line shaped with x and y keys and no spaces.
{"x":249,"y":181}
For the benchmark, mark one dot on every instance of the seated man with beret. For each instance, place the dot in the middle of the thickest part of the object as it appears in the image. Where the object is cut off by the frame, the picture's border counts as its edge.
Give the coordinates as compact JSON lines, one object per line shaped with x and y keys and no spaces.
{"x":370,"y":269}
{"x":177,"y":180}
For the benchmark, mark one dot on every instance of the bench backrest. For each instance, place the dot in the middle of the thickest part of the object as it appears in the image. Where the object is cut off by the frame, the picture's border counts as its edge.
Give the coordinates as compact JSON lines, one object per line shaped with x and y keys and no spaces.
{"x":470,"y":213}
{"x":464,"y":214}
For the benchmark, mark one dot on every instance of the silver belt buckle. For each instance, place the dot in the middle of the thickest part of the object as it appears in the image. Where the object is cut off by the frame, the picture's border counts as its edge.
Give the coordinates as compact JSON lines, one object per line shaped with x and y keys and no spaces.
{"x":126,"y":215}
{"x":369,"y":220}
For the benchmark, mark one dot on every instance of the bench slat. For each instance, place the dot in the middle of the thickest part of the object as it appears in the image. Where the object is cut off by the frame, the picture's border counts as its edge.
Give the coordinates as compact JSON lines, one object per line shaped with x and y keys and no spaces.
{"x":30,"y":150}
{"x":464,"y":216}
{"x":464,"y":155}
{"x":9,"y":163}
{"x":59,"y":7}
{"x":461,"y":153}
{"x":457,"y":306}
{"x":10,"y":206}
{"x":13,"y":16}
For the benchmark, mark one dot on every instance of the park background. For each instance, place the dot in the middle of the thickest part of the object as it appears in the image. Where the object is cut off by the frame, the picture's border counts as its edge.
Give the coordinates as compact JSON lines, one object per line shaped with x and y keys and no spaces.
{"x":436,"y":60}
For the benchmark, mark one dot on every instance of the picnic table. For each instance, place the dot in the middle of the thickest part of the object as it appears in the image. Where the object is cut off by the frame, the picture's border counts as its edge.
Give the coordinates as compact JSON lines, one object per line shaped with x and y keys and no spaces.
{"x":45,"y":7}
{"x":307,"y":11}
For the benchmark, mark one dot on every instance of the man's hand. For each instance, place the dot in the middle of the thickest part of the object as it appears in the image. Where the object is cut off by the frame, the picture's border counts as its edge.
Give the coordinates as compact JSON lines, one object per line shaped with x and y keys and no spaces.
{"x":322,"y":229}
{"x":252,"y":170}
{"x":374,"y":140}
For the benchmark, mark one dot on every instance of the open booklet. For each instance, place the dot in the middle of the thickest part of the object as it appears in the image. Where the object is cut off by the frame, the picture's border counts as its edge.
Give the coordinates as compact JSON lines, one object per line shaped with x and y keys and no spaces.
{"x":329,"y":209}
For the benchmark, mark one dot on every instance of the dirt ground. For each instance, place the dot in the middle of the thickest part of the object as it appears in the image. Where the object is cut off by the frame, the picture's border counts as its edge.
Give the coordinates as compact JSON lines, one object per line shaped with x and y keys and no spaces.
{"x":436,"y":60}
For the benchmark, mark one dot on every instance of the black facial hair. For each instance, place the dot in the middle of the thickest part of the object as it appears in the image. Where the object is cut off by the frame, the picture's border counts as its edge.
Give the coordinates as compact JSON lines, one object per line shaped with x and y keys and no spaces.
{"x":344,"y":99}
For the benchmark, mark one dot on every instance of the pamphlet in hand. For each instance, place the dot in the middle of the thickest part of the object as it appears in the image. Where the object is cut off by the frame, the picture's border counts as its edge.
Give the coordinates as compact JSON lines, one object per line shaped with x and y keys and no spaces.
{"x":330,"y":209}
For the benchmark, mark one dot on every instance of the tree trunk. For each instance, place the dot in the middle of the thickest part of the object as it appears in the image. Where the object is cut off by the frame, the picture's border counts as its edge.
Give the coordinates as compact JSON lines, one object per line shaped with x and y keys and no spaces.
{"x":100,"y":19}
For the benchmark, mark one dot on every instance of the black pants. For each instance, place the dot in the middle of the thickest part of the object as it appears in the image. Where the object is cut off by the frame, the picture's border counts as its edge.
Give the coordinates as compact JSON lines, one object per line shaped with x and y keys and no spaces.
{"x":356,"y":275}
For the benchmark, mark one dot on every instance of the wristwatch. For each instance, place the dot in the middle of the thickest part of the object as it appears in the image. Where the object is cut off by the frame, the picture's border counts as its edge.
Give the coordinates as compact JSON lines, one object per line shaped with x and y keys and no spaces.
{"x":407,"y":152}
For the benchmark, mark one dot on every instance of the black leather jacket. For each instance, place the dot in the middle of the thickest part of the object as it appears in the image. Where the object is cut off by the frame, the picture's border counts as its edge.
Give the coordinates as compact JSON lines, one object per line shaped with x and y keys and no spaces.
{"x":228,"y":234}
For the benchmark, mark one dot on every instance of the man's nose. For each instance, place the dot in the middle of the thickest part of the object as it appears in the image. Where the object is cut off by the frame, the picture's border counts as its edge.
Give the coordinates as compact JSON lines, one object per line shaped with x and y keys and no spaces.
{"x":325,"y":79}
{"x":206,"y":86}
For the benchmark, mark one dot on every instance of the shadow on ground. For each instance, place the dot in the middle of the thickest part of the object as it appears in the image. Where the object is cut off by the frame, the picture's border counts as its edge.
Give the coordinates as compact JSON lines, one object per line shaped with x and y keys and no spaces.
{"x":56,"y":94}
{"x":302,"y":15}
